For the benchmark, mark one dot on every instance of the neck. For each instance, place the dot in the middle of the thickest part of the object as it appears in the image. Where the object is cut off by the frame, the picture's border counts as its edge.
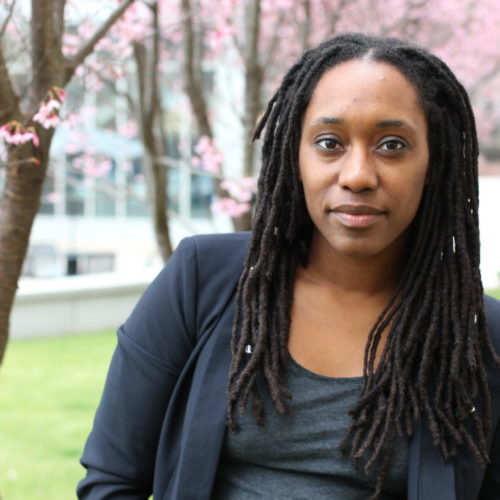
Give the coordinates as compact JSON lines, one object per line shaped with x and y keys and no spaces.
{"x":375,"y":275}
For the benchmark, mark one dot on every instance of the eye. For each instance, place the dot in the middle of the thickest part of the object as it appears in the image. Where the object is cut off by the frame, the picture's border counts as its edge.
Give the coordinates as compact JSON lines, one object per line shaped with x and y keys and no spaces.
{"x":328,"y":144}
{"x":393,"y":144}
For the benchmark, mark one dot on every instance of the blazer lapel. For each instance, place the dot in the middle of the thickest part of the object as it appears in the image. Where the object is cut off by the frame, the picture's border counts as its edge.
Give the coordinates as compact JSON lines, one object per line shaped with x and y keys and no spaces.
{"x":430,"y":477}
{"x":206,"y":414}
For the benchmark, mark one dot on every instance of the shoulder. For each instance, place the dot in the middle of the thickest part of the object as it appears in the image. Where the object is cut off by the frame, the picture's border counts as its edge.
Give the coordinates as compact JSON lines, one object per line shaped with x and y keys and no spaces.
{"x":492,"y":311}
{"x":221,"y":246}
{"x":191,"y":290}
{"x":215,"y":254}
{"x":214,"y":263}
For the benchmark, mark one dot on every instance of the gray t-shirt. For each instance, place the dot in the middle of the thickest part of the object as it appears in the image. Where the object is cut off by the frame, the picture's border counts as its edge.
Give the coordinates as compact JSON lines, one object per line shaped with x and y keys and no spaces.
{"x":296,"y":456}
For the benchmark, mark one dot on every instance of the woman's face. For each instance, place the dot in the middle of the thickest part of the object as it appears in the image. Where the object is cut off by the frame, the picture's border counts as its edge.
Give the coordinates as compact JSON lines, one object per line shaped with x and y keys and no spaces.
{"x":363,"y":158}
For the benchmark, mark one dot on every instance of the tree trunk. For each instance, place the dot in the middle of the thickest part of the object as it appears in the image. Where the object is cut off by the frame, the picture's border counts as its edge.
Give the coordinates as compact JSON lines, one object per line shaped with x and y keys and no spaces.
{"x":27,"y":165}
{"x":193,"y":73}
{"x":253,"y":90}
{"x":18,"y":208}
{"x":152,"y":136}
{"x":253,"y":84}
{"x":193,"y":82}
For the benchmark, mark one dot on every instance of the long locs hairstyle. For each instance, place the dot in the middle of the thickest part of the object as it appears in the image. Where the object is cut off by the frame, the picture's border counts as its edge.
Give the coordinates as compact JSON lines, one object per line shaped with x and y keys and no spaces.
{"x":431,"y":366}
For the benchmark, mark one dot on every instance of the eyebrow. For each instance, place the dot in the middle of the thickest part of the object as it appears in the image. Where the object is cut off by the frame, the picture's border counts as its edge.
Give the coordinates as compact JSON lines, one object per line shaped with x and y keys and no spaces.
{"x":327,"y":120}
{"x":392,"y":123}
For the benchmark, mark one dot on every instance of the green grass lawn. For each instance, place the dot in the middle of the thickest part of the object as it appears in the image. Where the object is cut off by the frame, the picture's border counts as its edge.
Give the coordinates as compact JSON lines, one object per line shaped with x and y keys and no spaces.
{"x":494,"y":293}
{"x":49,"y":389}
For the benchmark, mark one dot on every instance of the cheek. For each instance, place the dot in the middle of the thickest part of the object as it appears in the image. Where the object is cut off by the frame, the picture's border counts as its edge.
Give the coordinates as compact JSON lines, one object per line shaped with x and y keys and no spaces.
{"x":414,"y":196}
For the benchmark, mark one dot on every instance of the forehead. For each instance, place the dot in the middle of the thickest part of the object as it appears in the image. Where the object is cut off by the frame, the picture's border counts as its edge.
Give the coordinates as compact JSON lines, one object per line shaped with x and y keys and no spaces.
{"x":362,"y":85}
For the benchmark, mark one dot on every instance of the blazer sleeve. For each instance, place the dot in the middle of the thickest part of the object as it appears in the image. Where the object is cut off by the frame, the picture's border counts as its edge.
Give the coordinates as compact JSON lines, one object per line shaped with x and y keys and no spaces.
{"x":153,"y":346}
{"x":490,"y":488}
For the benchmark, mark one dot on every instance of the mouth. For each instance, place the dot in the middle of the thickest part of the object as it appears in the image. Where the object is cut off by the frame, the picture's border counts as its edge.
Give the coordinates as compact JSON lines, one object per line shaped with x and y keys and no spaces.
{"x":356,"y":216}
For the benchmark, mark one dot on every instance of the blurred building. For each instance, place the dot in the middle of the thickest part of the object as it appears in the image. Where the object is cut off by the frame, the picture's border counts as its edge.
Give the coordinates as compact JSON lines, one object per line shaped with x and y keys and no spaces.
{"x":96,"y":219}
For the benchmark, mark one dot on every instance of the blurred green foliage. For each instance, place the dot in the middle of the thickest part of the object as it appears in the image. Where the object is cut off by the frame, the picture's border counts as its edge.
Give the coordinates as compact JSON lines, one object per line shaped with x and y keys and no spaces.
{"x":49,"y":390}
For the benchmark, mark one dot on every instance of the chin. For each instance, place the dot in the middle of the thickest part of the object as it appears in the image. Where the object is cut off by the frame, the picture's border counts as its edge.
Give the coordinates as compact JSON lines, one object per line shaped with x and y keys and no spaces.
{"x":364,"y":251}
{"x":367,"y":247}
{"x":360,"y":245}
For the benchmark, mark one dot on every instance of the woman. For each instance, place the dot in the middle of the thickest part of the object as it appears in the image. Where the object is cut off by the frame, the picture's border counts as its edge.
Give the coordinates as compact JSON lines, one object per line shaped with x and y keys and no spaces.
{"x":360,"y":336}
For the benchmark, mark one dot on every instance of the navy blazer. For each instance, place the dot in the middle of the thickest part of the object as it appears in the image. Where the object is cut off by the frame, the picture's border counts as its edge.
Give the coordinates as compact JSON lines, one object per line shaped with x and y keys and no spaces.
{"x":161,"y":420}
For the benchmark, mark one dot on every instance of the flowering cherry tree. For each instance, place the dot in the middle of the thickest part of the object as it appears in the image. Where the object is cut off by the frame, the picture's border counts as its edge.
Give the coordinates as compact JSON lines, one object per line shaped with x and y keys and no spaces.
{"x":261,"y":38}
{"x":269,"y":35}
{"x":28,"y":114}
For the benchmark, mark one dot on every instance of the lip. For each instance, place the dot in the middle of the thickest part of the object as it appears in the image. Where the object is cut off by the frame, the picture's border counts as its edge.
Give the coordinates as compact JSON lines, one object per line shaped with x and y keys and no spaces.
{"x":356,"y":216}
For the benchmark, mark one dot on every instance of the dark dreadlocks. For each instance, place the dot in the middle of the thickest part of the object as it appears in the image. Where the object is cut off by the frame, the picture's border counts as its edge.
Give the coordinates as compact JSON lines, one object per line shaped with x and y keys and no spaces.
{"x":431,"y":365}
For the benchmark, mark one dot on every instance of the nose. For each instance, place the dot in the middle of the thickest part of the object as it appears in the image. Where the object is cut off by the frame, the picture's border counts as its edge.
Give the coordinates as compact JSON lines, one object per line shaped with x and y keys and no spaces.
{"x":358,"y":171}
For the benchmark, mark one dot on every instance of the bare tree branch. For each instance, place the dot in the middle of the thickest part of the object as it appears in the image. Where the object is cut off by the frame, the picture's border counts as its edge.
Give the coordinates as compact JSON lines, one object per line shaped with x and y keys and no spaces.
{"x":86,"y":50}
{"x":194,"y":87}
{"x":336,"y":14}
{"x":408,"y":23}
{"x":47,"y":62}
{"x":274,"y":43}
{"x":152,"y":134}
{"x":253,"y":82}
{"x":8,"y":18}
{"x":484,"y":78}
{"x":111,"y":85}
{"x":9,"y":101}
{"x":305,"y":31}
{"x":174,"y":163}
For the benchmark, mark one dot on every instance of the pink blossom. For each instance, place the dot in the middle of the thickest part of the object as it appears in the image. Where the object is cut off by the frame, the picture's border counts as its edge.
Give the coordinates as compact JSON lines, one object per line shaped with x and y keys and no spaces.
{"x":71,"y":44}
{"x":48,"y":113}
{"x":92,"y":166}
{"x":71,"y":148}
{"x":242,"y":189}
{"x":86,"y":29}
{"x":34,"y":138}
{"x":176,"y":36}
{"x":53,"y":198}
{"x":209,"y":158}
{"x":60,"y":93}
{"x":46,"y":119}
{"x":133,"y":25}
{"x":230,"y":207}
{"x":129,"y":129}
{"x":218,"y":36}
{"x":71,"y":119}
{"x":13,"y":133}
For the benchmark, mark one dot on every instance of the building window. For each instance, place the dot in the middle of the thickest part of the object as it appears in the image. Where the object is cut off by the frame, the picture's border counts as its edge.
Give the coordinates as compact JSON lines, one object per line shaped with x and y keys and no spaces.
{"x":49,"y":196}
{"x":202,"y":188}
{"x":174,"y":189}
{"x":75,"y":192}
{"x":136,"y":190}
{"x":106,"y":192}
